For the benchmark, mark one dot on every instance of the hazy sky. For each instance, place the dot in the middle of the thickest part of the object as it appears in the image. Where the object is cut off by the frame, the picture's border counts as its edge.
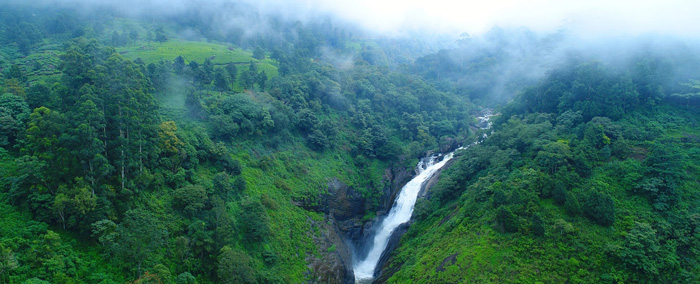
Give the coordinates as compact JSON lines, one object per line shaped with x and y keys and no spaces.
{"x":611,"y":17}
{"x":587,"y":17}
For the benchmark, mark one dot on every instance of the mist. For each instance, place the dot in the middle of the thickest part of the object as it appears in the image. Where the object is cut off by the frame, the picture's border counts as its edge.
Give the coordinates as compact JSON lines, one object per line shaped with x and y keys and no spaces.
{"x":528,"y":37}
{"x":596,"y":18}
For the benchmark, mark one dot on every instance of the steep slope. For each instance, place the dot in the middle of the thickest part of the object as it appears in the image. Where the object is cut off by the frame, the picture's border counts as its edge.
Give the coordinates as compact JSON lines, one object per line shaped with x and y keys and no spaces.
{"x":587,"y":178}
{"x":180,"y":160}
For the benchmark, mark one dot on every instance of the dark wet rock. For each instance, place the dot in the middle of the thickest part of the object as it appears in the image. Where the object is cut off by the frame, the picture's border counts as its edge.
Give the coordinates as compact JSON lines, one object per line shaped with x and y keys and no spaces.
{"x":450,"y":260}
{"x":381,"y":269}
{"x":333,"y":263}
{"x":385,"y":268}
{"x":343,"y":202}
{"x":345,"y":208}
{"x":430,"y":183}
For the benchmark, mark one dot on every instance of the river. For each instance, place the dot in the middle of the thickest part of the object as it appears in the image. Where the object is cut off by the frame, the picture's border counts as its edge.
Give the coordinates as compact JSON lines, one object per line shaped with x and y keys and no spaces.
{"x":402,"y":210}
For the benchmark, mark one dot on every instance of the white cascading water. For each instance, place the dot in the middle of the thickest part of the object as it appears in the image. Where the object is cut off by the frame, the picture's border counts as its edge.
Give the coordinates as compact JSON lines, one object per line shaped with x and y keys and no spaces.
{"x":403,"y":209}
{"x":400,"y":213}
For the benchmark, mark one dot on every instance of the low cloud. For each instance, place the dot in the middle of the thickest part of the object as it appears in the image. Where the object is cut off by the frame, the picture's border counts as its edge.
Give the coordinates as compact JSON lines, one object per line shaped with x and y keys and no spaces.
{"x":400,"y":17}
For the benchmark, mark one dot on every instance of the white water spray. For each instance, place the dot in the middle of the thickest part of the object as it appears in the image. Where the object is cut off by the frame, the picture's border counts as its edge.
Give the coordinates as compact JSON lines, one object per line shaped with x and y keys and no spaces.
{"x":403,"y":209}
{"x":400,"y":213}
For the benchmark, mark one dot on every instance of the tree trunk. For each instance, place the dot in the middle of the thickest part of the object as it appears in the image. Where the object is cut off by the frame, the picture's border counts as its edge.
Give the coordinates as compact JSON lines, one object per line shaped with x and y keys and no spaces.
{"x":140,"y":153}
{"x":123,"y":173}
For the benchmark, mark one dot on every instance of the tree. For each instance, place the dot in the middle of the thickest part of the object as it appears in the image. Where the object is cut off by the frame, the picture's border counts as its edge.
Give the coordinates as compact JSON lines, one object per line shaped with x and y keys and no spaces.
{"x":138,"y":239}
{"x":116,"y":38}
{"x":318,"y":140}
{"x":600,"y":208}
{"x":201,"y":241}
{"x":254,"y":220}
{"x":221,"y":80}
{"x":160,"y":35}
{"x":307,"y":120}
{"x":234,"y":267}
{"x":17,"y":73}
{"x":208,"y":68}
{"x":77,"y":200}
{"x":222,"y":183}
{"x":169,"y":142}
{"x":249,"y":77}
{"x":190,"y":199}
{"x":563,"y":227}
{"x":692,"y":96}
{"x":87,"y":145}
{"x":559,"y":193}
{"x":553,"y":156}
{"x":232,"y":73}
{"x":499,"y":198}
{"x":40,"y":95}
{"x":258,"y":53}
{"x":240,"y":184}
{"x":14,"y":113}
{"x":133,"y":35}
{"x":185,"y":278}
{"x":179,"y":64}
{"x":507,"y":220}
{"x":261,"y":79}
{"x":571,"y":204}
{"x":159,"y":74}
{"x":643,"y":252}
{"x":538,"y":226}
{"x":230,"y":165}
{"x":8,"y":262}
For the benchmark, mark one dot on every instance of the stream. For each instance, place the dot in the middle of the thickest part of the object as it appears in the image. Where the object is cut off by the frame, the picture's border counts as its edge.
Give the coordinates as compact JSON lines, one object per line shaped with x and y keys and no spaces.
{"x":402,"y":210}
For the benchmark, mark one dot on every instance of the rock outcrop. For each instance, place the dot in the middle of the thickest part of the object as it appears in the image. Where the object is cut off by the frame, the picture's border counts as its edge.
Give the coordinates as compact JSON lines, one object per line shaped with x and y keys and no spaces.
{"x":345,"y":207}
{"x":383,"y":270}
{"x":333,"y":264}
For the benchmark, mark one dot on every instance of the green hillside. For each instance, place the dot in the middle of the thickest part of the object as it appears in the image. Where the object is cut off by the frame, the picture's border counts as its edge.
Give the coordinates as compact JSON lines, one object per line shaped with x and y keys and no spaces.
{"x":219,"y":54}
{"x":220,"y":142}
{"x":598,"y":192}
{"x":132,"y":155}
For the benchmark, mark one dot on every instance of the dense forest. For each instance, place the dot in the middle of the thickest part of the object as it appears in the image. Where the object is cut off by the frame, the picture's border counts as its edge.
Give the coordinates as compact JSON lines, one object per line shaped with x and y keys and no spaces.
{"x":124,"y":143}
{"x":167,"y":149}
{"x":588,"y":176}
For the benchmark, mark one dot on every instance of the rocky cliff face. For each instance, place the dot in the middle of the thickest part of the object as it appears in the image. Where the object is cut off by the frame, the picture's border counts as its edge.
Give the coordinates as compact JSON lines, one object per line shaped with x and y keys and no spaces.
{"x":344,"y":207}
{"x":383,"y":270}
{"x":333,"y":264}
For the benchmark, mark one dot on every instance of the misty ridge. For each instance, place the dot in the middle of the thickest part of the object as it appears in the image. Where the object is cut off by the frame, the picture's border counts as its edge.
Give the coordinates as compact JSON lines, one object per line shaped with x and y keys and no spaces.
{"x":490,"y":66}
{"x":222,"y":141}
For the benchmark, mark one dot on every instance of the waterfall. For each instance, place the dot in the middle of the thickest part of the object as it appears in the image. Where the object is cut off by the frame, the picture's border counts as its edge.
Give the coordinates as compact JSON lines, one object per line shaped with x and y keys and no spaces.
{"x":400,"y":213}
{"x":402,"y":209}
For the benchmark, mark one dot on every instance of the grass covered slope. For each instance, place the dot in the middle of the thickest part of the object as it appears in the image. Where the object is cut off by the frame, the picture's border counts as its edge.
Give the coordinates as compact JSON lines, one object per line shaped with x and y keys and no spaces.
{"x":219,"y":54}
{"x":561,"y":193}
{"x":163,"y":160}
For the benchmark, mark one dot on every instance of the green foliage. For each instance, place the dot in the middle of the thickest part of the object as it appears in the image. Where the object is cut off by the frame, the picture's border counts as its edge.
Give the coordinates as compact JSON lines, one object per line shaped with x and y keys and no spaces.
{"x":507,"y":220}
{"x":240,"y":115}
{"x":190,"y":199}
{"x":159,"y":163}
{"x":185,"y":278}
{"x":259,"y":53}
{"x":572,"y":204}
{"x":255,"y":220}
{"x":160,"y":35}
{"x":558,"y":154}
{"x":234,"y":267}
{"x":202,"y":160}
{"x":538,"y":225}
{"x":642,"y":252}
{"x":136,"y":240}
{"x":14,"y":113}
{"x":600,"y":208}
